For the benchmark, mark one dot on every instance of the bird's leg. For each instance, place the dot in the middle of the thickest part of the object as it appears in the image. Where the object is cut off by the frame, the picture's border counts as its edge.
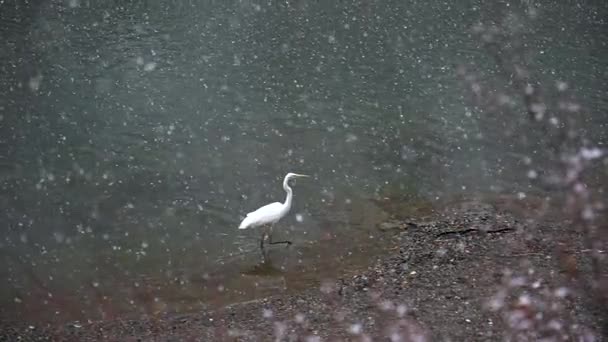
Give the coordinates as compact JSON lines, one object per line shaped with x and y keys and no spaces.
{"x":270,"y":242}
{"x":262,"y":243}
{"x":262,"y":240}
{"x":271,"y":228}
{"x":278,"y":242}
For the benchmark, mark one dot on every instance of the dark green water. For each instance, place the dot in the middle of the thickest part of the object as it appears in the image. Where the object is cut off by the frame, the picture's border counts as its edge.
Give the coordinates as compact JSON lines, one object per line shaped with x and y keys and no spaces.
{"x":136,"y":134}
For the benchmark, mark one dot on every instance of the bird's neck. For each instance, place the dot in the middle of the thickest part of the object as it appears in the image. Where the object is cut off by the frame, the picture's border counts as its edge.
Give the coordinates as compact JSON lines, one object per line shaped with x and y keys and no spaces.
{"x":289,"y":196}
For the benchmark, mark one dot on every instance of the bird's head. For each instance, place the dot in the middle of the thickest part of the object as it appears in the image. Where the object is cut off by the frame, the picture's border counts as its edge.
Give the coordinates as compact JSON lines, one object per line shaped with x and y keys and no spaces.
{"x":295,"y":175}
{"x":292,"y":175}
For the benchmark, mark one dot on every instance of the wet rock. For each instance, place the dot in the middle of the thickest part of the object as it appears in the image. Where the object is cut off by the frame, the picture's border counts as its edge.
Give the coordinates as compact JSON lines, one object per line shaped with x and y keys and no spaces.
{"x":396,"y":225}
{"x":390,"y":225}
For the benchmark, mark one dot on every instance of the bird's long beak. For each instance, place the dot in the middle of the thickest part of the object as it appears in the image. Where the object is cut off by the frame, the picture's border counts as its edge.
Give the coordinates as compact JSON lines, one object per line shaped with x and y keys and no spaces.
{"x":299,"y":175}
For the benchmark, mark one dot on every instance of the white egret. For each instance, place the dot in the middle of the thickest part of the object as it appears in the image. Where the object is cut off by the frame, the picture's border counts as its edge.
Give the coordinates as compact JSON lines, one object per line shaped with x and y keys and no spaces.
{"x":271,"y":213}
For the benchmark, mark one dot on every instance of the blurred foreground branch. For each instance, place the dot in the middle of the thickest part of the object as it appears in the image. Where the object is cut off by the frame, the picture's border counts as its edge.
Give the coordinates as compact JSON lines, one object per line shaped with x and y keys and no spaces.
{"x":571,"y":156}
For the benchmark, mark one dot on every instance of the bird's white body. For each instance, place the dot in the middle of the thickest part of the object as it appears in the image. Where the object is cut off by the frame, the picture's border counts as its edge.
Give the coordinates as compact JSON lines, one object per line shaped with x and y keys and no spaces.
{"x":273,"y":212}
{"x":268,"y":214}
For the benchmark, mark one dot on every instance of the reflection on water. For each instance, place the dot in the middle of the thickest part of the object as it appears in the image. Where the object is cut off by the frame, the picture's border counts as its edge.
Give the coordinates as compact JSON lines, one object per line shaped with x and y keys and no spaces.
{"x":137,"y":136}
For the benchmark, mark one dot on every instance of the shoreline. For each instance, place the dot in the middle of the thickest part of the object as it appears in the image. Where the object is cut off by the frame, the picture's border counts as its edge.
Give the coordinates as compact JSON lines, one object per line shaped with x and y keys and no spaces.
{"x":471,"y":271}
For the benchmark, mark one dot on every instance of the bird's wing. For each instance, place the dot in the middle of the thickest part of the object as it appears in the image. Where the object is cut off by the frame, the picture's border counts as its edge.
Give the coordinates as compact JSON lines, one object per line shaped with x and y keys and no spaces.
{"x":268,"y":208}
{"x":264,"y":215}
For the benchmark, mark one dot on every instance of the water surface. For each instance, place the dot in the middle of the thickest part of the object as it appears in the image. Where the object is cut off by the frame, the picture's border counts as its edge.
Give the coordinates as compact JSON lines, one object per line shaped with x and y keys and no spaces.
{"x":136,"y":135}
